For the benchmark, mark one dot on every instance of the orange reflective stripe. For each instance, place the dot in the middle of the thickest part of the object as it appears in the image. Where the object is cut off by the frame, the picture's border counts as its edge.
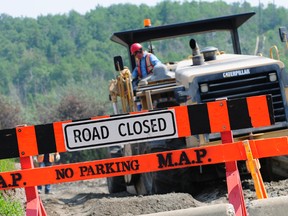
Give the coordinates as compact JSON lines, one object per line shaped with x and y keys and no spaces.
{"x":149,"y":66}
{"x":120,"y":166}
{"x":27,"y":142}
{"x":258,"y":110}
{"x":59,"y":136}
{"x":269,"y":147}
{"x":143,"y":163}
{"x":100,"y":117}
{"x":138,"y":112}
{"x":182,"y":121}
{"x":253,"y":166}
{"x":190,"y":120}
{"x":218,"y":116}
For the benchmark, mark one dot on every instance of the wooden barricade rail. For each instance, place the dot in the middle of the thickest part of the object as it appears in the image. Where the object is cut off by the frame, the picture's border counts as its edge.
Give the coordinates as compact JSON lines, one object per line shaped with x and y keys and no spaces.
{"x":220,"y":116}
{"x":102,"y":131}
{"x":159,"y":161}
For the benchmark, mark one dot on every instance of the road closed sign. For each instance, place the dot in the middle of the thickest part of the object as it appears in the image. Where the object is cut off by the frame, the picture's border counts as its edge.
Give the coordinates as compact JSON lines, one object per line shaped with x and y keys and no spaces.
{"x":122,"y":129}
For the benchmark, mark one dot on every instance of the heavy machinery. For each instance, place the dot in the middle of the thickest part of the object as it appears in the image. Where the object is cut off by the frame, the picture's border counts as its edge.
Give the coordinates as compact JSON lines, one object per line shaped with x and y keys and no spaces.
{"x":206,"y":74}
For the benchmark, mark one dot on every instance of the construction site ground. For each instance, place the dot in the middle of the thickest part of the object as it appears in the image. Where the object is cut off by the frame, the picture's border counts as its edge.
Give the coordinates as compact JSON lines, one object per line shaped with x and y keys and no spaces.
{"x":91,"y":197}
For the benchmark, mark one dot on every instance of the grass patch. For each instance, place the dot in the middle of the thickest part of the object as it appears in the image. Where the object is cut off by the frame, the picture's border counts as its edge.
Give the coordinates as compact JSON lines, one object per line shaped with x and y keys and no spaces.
{"x":7,"y":165}
{"x":9,"y":206}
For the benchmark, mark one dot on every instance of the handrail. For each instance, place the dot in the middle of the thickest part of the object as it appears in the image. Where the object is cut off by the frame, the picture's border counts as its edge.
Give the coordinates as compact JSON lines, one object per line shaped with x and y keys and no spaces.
{"x":276,"y":50}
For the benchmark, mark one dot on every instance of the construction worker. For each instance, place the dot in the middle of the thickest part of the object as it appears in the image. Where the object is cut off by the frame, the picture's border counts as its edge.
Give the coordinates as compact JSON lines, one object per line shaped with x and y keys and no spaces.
{"x":145,"y":62}
{"x":44,"y":160}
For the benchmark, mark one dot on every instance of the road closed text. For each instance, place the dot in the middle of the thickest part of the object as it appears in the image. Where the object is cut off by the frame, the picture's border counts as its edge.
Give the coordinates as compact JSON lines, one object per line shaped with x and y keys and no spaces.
{"x":124,"y":130}
{"x":146,"y":127}
{"x":137,"y":128}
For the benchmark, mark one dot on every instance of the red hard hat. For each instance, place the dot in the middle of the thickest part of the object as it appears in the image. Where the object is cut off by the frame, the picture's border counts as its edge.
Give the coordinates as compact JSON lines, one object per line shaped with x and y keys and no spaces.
{"x":135,"y":47}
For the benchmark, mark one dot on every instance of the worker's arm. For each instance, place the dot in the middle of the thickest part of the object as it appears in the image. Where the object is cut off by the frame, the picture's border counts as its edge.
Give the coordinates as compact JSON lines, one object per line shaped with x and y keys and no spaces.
{"x":57,"y":157}
{"x":135,"y":78}
{"x":154,"y":60}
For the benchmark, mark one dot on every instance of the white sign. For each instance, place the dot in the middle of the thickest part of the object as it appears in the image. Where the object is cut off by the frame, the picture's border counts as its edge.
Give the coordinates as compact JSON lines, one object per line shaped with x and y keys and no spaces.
{"x":122,"y":129}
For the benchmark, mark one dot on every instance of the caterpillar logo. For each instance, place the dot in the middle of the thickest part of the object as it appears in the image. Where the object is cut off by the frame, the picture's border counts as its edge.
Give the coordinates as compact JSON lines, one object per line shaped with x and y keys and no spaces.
{"x":236,"y":73}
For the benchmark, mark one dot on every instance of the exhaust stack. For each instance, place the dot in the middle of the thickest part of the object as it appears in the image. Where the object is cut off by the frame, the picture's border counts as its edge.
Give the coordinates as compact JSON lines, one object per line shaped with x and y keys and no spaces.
{"x":197,"y":57}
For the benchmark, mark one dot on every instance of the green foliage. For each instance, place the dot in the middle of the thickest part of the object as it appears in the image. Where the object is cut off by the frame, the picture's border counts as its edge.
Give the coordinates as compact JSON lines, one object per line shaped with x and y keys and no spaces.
{"x":10,"y":114}
{"x":9,"y":118}
{"x":76,"y":103}
{"x":10,"y":207}
{"x":7,"y":165}
{"x":39,"y":55}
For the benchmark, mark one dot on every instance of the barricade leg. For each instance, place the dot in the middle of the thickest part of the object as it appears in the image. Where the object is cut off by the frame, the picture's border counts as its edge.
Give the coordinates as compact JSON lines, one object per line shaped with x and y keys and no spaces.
{"x":34,"y":205}
{"x":253,"y":166}
{"x":235,"y":192}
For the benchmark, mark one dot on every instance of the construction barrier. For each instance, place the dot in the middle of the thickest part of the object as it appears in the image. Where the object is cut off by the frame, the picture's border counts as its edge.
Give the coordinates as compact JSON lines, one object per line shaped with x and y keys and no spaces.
{"x":175,"y":159}
{"x":234,"y":187}
{"x":219,"y":116}
{"x":103,"y":131}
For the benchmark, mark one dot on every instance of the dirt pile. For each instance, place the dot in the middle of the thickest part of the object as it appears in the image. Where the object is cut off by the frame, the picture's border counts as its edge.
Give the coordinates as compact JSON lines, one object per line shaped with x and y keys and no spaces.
{"x":92,"y":198}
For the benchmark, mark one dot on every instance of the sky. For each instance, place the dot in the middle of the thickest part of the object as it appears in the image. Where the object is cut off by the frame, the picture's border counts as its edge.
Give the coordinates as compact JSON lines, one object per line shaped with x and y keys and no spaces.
{"x":34,"y":8}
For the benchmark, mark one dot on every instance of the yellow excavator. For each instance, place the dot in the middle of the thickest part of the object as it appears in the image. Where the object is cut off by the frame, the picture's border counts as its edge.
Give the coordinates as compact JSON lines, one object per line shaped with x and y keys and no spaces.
{"x":206,"y":75}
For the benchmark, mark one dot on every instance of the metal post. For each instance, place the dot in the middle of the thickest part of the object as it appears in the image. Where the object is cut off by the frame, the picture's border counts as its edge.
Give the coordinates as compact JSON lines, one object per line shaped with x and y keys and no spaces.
{"x":34,"y":205}
{"x":235,"y":192}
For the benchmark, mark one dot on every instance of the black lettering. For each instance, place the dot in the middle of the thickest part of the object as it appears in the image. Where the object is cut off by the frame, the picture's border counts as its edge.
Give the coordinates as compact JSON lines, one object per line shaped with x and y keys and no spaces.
{"x":95,"y":134}
{"x":15,"y":178}
{"x":134,"y":164}
{"x":184,"y":158}
{"x":139,"y":131}
{"x":64,"y":173}
{"x":119,"y":130}
{"x":201,"y":153}
{"x":161,"y":124}
{"x":165,"y":160}
{"x":125,"y":166}
{"x":106,"y":168}
{"x":109,"y":168}
{"x":118,"y":167}
{"x":90,"y":171}
{"x":3,"y":182}
{"x":86,"y":134}
{"x":77,"y":134}
{"x":60,"y":174}
{"x":104,"y":132}
{"x":128,"y":129}
{"x":153,"y":125}
{"x":82,"y":170}
{"x":69,"y":173}
{"x":146,"y":126}
{"x":100,"y":169}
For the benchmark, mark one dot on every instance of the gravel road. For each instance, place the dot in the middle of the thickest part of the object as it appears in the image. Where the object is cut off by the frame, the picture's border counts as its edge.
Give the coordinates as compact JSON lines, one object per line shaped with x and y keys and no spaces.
{"x":91,"y":197}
